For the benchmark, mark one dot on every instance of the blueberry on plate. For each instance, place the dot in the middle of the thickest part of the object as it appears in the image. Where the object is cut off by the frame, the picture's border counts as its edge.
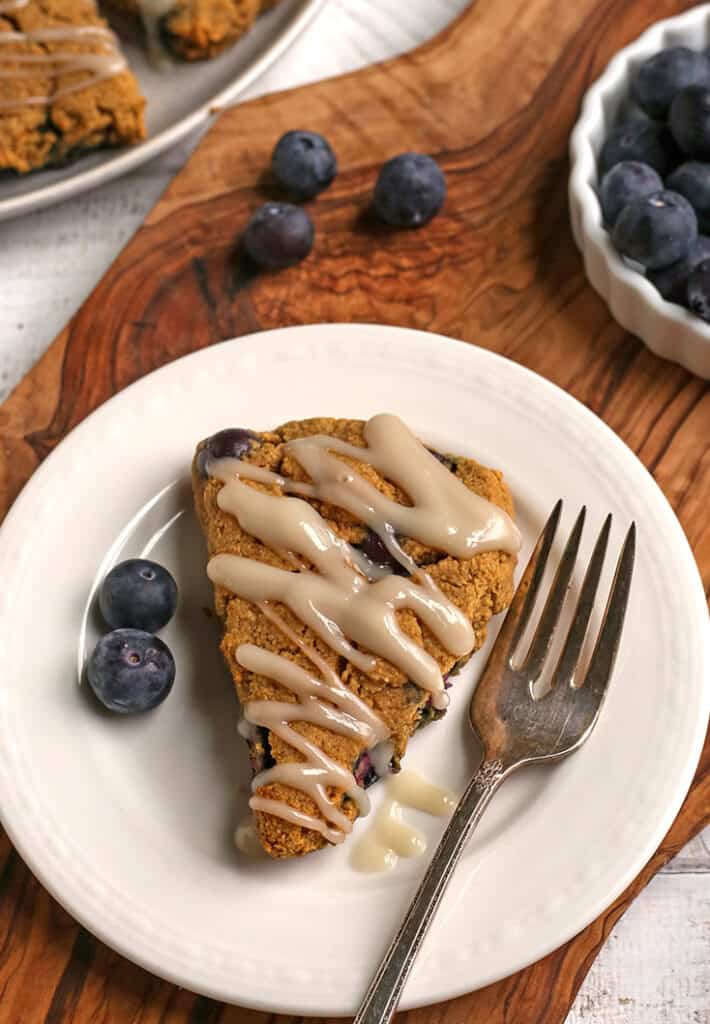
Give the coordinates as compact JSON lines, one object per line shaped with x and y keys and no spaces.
{"x":624,"y":182}
{"x":692,"y":180}
{"x":689,"y":120}
{"x":698,"y":290}
{"x":660,"y":77}
{"x":279,"y":235}
{"x":644,"y":141}
{"x":410,"y":190}
{"x":672,"y":281}
{"x":656,"y":230}
{"x":139,"y":594}
{"x":130,"y":670}
{"x":303,"y":163}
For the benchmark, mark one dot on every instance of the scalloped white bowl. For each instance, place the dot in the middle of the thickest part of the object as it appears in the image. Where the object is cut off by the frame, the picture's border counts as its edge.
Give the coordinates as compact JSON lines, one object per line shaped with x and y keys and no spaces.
{"x":667,"y":329}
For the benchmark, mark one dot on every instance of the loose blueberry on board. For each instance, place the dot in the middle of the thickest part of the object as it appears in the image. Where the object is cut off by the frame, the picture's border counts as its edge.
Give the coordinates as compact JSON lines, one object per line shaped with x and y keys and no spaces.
{"x":672,"y":281}
{"x":279,"y":235}
{"x":139,"y":594}
{"x":689,"y":120}
{"x":692,"y":180}
{"x":130,"y":671}
{"x":644,"y":141}
{"x":624,"y":182}
{"x":664,"y":74}
{"x":303,"y":163}
{"x":698,"y":290}
{"x":410,"y":190}
{"x":656,"y":230}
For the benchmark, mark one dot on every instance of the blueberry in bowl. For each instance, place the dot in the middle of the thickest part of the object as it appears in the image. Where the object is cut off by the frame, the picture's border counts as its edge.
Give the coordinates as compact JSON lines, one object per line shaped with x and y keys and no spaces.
{"x":672,"y":281}
{"x":663,"y":75}
{"x":698,"y":290}
{"x":651,"y":107}
{"x":656,"y":230}
{"x":692,"y":180}
{"x":625,"y":181}
{"x":689,"y":120}
{"x":644,"y":141}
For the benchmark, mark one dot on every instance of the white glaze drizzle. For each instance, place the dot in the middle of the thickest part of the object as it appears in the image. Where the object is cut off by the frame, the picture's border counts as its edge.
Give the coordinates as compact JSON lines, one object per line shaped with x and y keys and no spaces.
{"x":336,"y":601}
{"x":344,"y":599}
{"x":51,"y":64}
{"x":151,"y":11}
{"x":325,"y":701}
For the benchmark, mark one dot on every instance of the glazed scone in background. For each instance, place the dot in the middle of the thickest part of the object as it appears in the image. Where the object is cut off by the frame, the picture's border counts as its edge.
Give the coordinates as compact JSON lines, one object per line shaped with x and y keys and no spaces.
{"x":104,"y":113}
{"x":199,"y":29}
{"x":480,"y":587}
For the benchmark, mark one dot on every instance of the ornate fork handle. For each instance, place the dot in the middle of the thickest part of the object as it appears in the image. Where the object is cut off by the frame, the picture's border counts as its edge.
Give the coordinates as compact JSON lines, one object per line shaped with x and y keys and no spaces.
{"x":382,"y":997}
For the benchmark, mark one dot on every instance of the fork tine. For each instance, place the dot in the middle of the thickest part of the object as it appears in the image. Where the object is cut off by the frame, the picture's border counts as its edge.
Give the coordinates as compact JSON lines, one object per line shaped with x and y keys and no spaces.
{"x":540,"y":644}
{"x":569,"y":658}
{"x":521,"y":606}
{"x":603,"y":657}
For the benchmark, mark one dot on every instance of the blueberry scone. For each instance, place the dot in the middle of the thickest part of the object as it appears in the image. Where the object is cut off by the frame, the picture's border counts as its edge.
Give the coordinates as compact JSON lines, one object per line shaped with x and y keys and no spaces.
{"x":354,"y":571}
{"x":65,"y":87}
{"x":197,"y":29}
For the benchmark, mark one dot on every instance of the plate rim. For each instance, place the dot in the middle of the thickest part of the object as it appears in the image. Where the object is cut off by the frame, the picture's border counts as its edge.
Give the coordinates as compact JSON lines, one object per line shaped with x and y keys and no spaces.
{"x":664,"y":821}
{"x":127,"y":159}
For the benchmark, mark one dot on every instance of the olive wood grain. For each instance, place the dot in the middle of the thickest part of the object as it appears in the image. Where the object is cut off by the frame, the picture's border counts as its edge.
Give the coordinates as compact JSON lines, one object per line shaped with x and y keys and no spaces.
{"x":493,"y":98}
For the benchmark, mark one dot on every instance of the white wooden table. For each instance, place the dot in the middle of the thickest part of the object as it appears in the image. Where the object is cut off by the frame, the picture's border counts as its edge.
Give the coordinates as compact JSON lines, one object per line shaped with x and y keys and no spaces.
{"x":655,"y":968}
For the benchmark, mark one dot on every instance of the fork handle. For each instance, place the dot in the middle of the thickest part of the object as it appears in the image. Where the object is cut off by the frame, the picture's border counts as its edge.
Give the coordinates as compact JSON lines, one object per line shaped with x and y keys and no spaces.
{"x":383,"y":995}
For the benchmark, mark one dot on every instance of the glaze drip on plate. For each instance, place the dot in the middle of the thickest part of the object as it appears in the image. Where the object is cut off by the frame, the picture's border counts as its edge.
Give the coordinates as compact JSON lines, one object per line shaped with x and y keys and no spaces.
{"x":389,"y":837}
{"x":344,"y":600}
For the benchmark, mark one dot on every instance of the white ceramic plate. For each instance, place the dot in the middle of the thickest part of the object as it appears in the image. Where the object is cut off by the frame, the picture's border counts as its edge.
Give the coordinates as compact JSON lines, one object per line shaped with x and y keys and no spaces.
{"x":128,"y":822}
{"x":180,"y":97}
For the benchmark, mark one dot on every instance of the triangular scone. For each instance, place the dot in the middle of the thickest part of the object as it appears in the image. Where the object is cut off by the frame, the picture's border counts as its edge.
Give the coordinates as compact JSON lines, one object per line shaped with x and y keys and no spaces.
{"x":480,"y":587}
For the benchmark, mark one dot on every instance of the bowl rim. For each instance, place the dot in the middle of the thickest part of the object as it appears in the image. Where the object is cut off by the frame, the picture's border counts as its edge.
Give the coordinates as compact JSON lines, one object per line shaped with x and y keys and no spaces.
{"x":583,"y":178}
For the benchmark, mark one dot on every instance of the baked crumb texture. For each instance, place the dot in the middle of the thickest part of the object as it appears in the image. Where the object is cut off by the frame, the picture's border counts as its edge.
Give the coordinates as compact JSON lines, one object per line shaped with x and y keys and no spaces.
{"x":105,"y":113}
{"x":199,"y":29}
{"x":480,"y":587}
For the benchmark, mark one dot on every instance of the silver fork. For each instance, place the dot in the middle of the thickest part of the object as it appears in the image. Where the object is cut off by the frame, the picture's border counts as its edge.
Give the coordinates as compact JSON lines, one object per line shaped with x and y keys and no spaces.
{"x":513,"y":727}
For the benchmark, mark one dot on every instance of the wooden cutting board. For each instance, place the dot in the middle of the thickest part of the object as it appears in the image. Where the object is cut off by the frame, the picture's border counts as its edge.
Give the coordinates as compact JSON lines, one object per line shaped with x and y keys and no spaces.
{"x":493,"y":98}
